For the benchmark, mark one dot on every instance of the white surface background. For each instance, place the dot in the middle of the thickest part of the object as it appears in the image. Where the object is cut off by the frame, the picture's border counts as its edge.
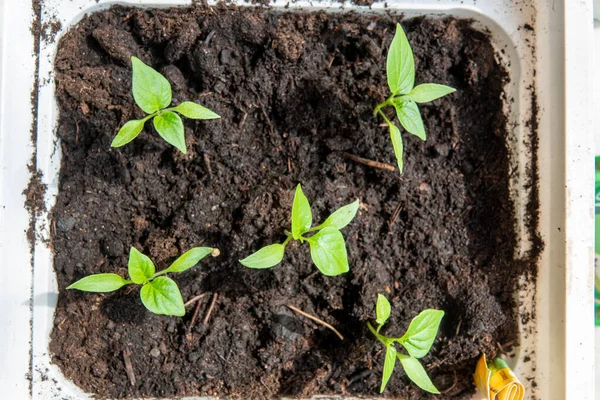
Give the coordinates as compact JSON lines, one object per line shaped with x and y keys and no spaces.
{"x":15,"y":153}
{"x":563,"y":337}
{"x":597,"y":149}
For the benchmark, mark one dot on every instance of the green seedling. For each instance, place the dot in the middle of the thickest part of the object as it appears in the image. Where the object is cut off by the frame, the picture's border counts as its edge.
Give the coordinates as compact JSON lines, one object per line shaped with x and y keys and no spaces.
{"x":400,"y":69}
{"x":416,"y":341}
{"x":159,"y":294}
{"x":152,"y":93}
{"x":327,"y":245}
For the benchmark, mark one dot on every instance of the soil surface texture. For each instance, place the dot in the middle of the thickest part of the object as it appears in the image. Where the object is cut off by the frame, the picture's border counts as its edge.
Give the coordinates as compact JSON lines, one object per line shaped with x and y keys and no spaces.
{"x":295,"y":92}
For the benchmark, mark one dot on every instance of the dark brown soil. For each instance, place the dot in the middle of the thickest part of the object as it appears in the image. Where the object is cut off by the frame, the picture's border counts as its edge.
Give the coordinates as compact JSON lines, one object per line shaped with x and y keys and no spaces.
{"x":294,"y":92}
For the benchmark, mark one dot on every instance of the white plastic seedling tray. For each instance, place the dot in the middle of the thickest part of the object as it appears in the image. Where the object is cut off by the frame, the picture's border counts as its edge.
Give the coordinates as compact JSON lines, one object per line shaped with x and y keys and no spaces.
{"x":550,"y":65}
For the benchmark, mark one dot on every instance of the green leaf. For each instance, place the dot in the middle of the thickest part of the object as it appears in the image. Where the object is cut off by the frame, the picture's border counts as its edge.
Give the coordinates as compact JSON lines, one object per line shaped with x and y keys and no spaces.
{"x":429,"y":91}
{"x":388,"y":366}
{"x":151,"y":91}
{"x":328,"y":251}
{"x":410,"y":117}
{"x":383,"y":309}
{"x":195,"y":111}
{"x":162,"y":296}
{"x":170,"y":127}
{"x":416,"y":373}
{"x":397,"y":144}
{"x":400,"y":66}
{"x":342,"y":217}
{"x":128,"y":132}
{"x":189,"y":259}
{"x":422,"y":332}
{"x":301,"y":214}
{"x":140,"y":266}
{"x":100,"y":283}
{"x":266,"y":257}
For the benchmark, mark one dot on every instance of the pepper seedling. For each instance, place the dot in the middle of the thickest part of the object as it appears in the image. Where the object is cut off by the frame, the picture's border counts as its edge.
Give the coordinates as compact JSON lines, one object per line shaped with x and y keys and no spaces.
{"x":159,"y":294}
{"x":417,"y":341}
{"x":400,"y":71}
{"x":327,"y":245}
{"x":152,"y":93}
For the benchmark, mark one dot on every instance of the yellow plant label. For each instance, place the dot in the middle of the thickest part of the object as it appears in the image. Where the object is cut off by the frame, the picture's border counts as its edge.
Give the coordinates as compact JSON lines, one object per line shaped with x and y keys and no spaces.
{"x":495,"y":381}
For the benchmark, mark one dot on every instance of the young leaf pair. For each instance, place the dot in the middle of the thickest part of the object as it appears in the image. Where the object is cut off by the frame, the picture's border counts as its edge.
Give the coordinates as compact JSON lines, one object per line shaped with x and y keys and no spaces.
{"x":400,"y":70}
{"x":159,"y":294}
{"x":327,"y":245}
{"x":417,"y":341}
{"x":152,"y":93}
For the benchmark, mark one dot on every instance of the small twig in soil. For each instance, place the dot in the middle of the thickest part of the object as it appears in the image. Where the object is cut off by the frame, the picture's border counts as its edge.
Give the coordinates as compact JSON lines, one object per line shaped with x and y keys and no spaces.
{"x":331,"y":62}
{"x":267,"y":118}
{"x":194,"y":299}
{"x":59,"y":326}
{"x":360,"y":375}
{"x":435,"y":364}
{"x":243,"y":120}
{"x":193,"y":321}
{"x":209,"y":36}
{"x":163,"y":349}
{"x":212,"y":305}
{"x":370,"y":163}
{"x":207,"y":163}
{"x":501,"y":347}
{"x":394,"y":216}
{"x":453,"y":385}
{"x":310,"y":276}
{"x":458,"y":327}
{"x":129,"y":367}
{"x":377,"y":354}
{"x":222,"y":358}
{"x":325,"y":324}
{"x":76,"y":132}
{"x":266,"y":387}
